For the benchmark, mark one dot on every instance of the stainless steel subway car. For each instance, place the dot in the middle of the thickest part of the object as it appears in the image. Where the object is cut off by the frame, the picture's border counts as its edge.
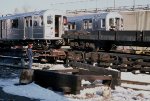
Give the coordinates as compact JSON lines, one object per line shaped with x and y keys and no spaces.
{"x":93,"y":31}
{"x":43,"y":28}
{"x":99,"y":21}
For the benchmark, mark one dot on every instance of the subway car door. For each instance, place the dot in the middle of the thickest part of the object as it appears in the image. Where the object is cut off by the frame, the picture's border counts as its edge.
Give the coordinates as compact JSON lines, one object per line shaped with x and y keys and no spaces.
{"x":4,"y":29}
{"x":117,"y":23}
{"x":0,"y":29}
{"x":28,"y":30}
{"x":58,"y":25}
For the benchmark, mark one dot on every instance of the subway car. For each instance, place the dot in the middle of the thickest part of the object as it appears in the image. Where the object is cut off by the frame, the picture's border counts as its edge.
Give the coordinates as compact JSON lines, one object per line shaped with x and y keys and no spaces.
{"x":43,"y":28}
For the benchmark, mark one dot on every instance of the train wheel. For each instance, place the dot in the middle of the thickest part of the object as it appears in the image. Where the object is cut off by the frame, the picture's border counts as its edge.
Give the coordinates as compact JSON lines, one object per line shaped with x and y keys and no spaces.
{"x":72,"y":44}
{"x":92,"y":46}
{"x":107,"y":47}
{"x":45,"y":47}
{"x":87,"y":44}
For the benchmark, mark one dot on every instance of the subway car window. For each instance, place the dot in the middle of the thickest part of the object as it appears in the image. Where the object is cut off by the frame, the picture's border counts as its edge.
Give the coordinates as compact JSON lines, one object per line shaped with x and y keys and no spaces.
{"x":41,"y":21}
{"x":30,"y":22}
{"x":111,"y":22}
{"x":117,"y":21}
{"x":65,"y":20}
{"x":35,"y":23}
{"x":15,"y":23}
{"x":90,"y":24}
{"x":121,"y":22}
{"x":49,"y":19}
{"x":69,"y":26}
{"x":87,"y":24}
{"x":73,"y":25}
{"x":3,"y":25}
{"x":103,"y":23}
{"x":27,"y":23}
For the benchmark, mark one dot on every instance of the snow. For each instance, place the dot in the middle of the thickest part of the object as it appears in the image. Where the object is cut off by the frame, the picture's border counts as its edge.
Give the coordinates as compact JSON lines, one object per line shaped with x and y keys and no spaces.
{"x":143,"y":87}
{"x":90,"y":94}
{"x":34,"y":91}
{"x":121,"y":94}
{"x":135,"y":77}
{"x":50,"y":66}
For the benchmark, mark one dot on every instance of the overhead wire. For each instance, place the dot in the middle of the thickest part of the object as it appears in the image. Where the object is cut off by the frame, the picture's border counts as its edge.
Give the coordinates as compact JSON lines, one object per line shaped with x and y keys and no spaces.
{"x":60,"y":3}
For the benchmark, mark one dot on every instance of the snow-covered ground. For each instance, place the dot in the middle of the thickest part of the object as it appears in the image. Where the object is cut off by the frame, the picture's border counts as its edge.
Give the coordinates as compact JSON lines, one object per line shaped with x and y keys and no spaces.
{"x":49,"y":66}
{"x":91,"y":94}
{"x":135,"y":77}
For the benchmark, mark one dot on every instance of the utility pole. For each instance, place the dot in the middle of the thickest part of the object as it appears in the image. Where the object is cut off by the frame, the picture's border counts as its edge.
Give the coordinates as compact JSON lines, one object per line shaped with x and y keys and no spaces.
{"x":114,"y":4}
{"x":96,"y":5}
{"x":133,"y":4}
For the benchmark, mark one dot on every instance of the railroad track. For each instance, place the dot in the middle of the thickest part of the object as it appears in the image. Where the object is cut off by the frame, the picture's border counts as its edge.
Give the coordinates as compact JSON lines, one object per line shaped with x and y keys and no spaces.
{"x":135,"y":83}
{"x":113,"y":59}
{"x":120,"y":61}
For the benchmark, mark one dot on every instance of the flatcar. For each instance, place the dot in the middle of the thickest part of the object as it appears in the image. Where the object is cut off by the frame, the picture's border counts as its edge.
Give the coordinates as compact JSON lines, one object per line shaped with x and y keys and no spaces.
{"x":108,"y":30}
{"x":43,"y":28}
{"x":84,"y":31}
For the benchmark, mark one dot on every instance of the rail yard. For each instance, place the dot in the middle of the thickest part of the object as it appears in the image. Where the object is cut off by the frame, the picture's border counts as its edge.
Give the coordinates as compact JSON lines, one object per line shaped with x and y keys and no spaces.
{"x":71,"y":50}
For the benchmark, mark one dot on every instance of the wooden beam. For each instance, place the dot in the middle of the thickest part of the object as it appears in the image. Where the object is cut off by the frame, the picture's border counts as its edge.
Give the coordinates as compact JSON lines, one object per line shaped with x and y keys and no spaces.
{"x":94,"y":77}
{"x":66,"y":70}
{"x":94,"y":70}
{"x":57,"y":81}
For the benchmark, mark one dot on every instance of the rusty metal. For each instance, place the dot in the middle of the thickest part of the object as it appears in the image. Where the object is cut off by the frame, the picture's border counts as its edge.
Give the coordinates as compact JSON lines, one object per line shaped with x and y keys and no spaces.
{"x":134,"y":82}
{"x":119,"y":61}
{"x":50,"y":55}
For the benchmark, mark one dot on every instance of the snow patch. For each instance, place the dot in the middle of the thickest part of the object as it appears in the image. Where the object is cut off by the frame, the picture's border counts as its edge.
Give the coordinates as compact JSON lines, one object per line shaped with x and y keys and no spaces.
{"x":31,"y":91}
{"x":135,"y":77}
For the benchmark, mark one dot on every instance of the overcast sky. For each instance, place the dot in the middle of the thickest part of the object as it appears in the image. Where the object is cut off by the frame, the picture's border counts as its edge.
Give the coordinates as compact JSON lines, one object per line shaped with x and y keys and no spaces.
{"x":8,"y":6}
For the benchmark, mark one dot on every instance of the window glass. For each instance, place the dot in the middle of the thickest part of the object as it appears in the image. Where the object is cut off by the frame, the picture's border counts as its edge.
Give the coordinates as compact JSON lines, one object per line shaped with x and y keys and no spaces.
{"x":3,"y":25}
{"x":41,"y":21}
{"x":28,"y":21}
{"x":103,"y":23}
{"x":111,"y":22}
{"x":121,"y":22}
{"x":90,"y":24}
{"x":15,"y":23}
{"x":71,"y":26}
{"x":49,"y":20}
{"x":117,"y":21}
{"x":35,"y":23}
{"x":87,"y":24}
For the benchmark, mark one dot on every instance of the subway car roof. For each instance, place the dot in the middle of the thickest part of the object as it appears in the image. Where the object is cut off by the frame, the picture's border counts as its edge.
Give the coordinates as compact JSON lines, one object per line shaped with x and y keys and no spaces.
{"x":41,"y":12}
{"x":95,"y":15}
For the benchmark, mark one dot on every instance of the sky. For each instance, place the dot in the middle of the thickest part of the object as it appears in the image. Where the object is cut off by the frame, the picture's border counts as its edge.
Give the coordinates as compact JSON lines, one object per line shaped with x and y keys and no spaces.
{"x":10,"y":6}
